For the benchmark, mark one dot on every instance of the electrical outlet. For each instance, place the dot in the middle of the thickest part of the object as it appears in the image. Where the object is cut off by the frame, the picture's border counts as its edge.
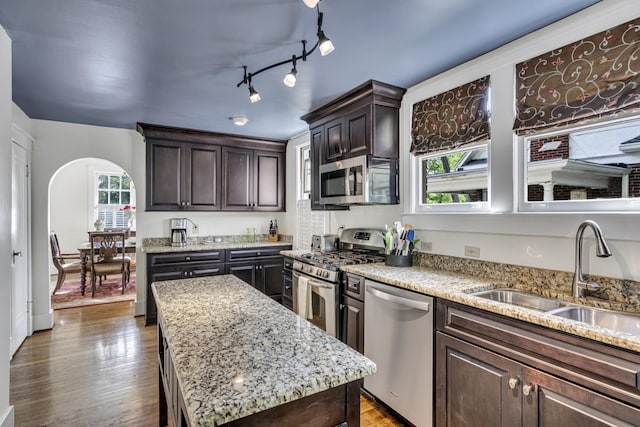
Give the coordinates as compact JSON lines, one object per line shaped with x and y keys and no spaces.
{"x":195,"y":229}
{"x":472,"y":251}
{"x":426,"y":246}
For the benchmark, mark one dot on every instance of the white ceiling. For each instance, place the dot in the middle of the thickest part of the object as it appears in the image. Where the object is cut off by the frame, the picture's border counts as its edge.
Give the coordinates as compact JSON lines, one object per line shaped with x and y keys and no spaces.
{"x":177,"y":62}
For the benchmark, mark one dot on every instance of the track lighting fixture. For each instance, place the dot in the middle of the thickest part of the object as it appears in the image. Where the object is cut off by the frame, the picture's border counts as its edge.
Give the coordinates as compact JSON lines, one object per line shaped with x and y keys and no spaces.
{"x":323,"y":44}
{"x":290,"y":79}
{"x":254,"y":96}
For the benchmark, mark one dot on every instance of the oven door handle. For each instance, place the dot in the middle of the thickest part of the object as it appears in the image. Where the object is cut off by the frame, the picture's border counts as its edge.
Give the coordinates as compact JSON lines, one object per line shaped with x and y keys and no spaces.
{"x":313,"y":283}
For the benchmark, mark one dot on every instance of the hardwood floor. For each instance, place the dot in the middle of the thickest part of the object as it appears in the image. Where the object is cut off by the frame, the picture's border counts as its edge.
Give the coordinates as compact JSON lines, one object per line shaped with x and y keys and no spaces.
{"x":98,"y":367}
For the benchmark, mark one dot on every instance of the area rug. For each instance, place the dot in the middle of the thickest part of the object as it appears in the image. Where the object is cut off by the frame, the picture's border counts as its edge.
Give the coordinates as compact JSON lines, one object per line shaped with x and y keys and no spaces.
{"x":69,"y":296}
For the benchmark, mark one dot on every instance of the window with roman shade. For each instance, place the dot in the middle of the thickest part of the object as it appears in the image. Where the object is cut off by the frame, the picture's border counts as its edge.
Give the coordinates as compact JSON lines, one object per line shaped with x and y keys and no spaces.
{"x":593,"y":79}
{"x":451,"y":119}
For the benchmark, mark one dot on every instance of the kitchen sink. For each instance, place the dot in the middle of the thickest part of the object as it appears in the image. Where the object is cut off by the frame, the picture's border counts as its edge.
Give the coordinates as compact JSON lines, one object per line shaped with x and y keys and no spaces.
{"x":614,"y":320}
{"x":521,"y":298}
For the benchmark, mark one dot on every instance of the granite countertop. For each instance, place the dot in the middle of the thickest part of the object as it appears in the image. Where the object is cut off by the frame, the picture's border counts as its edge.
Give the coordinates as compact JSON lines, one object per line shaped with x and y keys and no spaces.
{"x":457,"y":287}
{"x":210,"y":246}
{"x":237,"y":352}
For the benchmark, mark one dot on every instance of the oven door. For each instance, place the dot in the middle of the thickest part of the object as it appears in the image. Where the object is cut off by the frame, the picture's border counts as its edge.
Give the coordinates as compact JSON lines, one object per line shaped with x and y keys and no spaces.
{"x":316,"y":301}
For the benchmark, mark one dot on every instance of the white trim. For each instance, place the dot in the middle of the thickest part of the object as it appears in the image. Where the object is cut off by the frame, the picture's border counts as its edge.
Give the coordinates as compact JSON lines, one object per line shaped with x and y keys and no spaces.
{"x":42,"y":322}
{"x":8,"y":418}
{"x":22,"y":137}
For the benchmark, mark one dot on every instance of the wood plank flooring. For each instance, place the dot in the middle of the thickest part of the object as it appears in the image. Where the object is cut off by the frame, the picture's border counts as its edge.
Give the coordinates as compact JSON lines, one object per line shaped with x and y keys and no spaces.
{"x":98,"y":367}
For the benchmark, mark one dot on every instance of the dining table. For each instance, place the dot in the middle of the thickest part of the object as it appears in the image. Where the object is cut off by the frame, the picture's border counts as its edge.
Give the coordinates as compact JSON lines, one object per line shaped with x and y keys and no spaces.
{"x":85,"y":251}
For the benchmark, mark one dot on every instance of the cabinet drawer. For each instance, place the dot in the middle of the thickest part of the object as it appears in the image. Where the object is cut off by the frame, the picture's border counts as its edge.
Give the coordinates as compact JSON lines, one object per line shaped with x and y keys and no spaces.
{"x":240,"y":254}
{"x":354,"y":286}
{"x":287,"y":264}
{"x":157,"y":260}
{"x":615,"y":372}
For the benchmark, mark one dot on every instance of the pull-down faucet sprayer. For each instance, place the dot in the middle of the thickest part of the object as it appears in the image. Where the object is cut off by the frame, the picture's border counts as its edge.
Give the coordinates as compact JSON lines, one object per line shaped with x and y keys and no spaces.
{"x":581,"y":287}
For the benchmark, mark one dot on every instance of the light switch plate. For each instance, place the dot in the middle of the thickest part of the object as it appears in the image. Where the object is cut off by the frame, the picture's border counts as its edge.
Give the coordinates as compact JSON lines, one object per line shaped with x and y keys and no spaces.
{"x":472,"y":251}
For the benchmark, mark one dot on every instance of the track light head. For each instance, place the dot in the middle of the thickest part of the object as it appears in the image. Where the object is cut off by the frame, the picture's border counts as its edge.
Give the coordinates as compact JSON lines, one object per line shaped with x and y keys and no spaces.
{"x":254,"y":96}
{"x":290,"y":79}
{"x":324,"y":44}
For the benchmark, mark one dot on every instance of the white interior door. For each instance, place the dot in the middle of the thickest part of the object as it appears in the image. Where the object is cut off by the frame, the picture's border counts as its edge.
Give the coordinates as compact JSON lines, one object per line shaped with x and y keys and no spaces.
{"x":21,"y":287}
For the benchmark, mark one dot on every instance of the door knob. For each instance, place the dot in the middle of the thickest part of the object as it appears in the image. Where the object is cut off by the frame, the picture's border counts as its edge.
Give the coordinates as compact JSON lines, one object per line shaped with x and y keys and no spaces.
{"x":526,"y":389}
{"x":17,"y":253}
{"x":513,"y":382}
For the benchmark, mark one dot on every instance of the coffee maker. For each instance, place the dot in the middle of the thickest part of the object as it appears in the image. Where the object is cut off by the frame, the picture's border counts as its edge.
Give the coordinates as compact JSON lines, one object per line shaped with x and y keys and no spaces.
{"x":178,"y":231}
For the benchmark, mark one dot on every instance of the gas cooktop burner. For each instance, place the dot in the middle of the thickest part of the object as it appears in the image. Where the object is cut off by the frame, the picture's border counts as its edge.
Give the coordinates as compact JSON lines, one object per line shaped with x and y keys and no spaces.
{"x":334,"y":260}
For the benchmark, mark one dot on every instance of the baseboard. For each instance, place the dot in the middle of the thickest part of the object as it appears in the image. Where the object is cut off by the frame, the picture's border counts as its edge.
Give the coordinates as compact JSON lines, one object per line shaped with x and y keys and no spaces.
{"x":7,"y":419}
{"x":43,"y":322}
{"x":140,"y":308}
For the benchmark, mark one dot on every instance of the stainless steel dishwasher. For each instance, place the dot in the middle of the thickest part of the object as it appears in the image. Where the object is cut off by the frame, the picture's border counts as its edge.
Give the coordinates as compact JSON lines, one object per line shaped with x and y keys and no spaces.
{"x":398,"y":337}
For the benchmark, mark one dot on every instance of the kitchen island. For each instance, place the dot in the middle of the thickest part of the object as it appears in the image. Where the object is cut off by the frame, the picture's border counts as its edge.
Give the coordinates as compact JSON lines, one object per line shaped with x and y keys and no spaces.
{"x":230,"y":354}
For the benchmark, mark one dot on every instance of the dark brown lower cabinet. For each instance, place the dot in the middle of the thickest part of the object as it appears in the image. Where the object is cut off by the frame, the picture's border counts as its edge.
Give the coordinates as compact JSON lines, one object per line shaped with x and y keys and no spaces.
{"x":352,"y":323}
{"x":528,"y":376}
{"x":261,"y":268}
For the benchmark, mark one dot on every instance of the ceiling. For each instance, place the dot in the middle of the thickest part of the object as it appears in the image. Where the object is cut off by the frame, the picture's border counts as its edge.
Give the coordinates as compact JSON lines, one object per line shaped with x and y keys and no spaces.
{"x":177,"y":62}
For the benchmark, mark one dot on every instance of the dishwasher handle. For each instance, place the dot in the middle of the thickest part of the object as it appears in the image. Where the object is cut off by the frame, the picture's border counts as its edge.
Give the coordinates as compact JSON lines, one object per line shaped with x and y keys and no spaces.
{"x":418,"y":305}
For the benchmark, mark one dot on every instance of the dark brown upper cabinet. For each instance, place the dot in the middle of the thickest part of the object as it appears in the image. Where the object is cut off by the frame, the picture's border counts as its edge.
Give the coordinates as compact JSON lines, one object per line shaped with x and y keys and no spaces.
{"x":254,"y":180}
{"x":205,"y":171}
{"x":365,"y":120}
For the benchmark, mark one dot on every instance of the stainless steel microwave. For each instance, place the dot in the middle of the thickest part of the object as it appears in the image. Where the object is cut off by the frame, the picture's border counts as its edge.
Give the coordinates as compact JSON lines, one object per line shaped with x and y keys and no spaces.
{"x":359,"y":181}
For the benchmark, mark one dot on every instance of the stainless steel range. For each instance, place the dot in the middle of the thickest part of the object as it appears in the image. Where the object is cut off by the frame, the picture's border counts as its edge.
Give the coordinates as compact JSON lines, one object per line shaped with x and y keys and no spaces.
{"x":317,"y":276}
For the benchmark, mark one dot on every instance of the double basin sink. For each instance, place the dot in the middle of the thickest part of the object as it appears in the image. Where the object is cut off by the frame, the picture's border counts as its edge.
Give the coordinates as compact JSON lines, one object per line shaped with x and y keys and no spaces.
{"x":609,"y":319}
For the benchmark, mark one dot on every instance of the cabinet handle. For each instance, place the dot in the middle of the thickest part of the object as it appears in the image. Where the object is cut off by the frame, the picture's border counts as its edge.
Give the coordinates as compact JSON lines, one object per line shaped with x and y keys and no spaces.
{"x":513,"y":382}
{"x":188,"y":203}
{"x":526,"y":389}
{"x":341,"y":306}
{"x":185,"y":274}
{"x":258,"y":254}
{"x":188,"y":258}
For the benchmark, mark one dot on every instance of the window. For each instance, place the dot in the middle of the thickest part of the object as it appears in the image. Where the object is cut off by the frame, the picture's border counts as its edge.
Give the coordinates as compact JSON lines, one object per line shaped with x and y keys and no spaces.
{"x":305,"y":172}
{"x":454,"y":180}
{"x":455,"y":177}
{"x":113,"y":192}
{"x":582,"y":168}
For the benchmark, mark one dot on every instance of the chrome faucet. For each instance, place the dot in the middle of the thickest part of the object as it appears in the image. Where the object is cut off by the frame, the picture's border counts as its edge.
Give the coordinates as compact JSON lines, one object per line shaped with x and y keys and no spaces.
{"x":581,"y":287}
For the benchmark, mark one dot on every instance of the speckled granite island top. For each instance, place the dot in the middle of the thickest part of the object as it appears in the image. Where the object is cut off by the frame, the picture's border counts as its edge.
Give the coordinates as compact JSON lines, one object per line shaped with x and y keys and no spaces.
{"x":457,"y":287}
{"x":237,"y":352}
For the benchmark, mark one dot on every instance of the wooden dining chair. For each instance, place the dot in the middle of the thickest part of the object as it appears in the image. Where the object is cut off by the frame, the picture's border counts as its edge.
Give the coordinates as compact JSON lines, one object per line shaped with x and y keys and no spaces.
{"x":64,"y":263}
{"x":107,"y":257}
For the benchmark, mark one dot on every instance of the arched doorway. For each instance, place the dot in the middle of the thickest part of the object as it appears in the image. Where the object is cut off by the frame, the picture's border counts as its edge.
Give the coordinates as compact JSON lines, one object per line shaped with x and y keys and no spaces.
{"x":80,"y":193}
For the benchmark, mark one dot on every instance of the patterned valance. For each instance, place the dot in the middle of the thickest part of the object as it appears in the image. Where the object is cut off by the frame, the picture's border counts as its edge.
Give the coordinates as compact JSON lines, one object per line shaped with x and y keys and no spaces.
{"x":451,"y":119}
{"x":595,"y":78}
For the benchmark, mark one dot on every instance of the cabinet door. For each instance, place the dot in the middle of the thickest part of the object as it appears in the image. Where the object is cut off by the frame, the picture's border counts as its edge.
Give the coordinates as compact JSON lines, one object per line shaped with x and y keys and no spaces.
{"x":237,"y":167}
{"x":202,"y":183}
{"x":271,"y":275}
{"x":246,"y":271}
{"x":158,"y":275}
{"x":269,"y":176}
{"x":475,"y":387}
{"x":317,"y":148}
{"x":335,"y":139}
{"x":358,"y":132}
{"x":164,"y":175}
{"x":353,"y":323}
{"x":552,"y":402}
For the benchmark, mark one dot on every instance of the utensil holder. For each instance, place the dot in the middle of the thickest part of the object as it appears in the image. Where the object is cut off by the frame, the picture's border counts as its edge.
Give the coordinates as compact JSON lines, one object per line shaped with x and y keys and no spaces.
{"x":398,"y":260}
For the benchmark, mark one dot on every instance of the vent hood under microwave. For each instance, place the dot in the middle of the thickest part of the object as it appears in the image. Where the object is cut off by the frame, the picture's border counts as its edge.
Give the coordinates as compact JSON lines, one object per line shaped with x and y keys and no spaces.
{"x":363,"y":180}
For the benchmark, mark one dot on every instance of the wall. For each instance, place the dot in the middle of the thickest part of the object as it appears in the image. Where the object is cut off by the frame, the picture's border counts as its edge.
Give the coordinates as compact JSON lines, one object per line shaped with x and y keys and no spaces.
{"x":6,"y":411}
{"x":543,"y":240}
